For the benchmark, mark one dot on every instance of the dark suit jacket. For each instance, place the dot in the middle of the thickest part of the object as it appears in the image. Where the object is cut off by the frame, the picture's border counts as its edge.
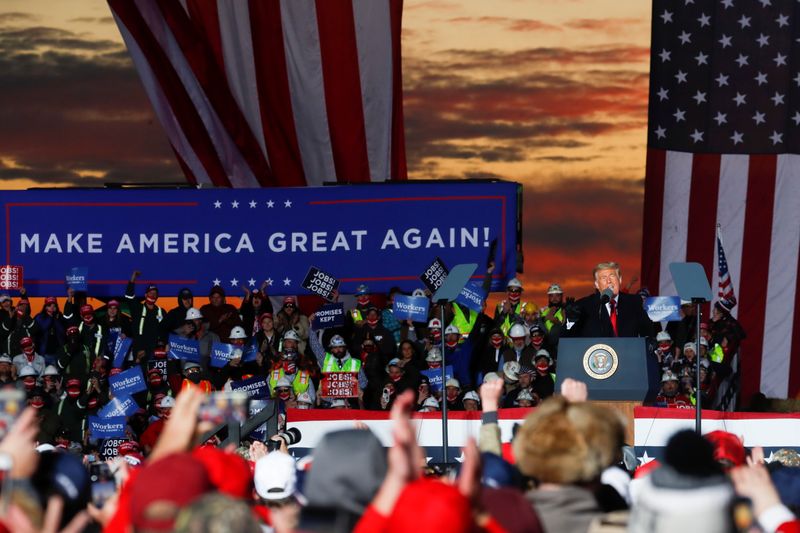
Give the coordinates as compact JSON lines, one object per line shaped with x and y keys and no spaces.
{"x":632,"y":320}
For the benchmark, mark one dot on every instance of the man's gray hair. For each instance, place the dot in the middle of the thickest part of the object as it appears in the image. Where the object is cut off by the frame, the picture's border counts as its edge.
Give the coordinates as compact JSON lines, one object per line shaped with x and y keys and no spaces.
{"x":610,"y":265}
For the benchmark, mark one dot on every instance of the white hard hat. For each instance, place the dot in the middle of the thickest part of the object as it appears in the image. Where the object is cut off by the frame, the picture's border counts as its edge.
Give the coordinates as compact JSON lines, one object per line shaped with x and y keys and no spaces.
{"x":394,"y":362}
{"x":291,"y":335}
{"x":430,"y":401}
{"x":690,"y":346}
{"x":238,"y":333}
{"x":434,"y":355}
{"x":418,"y":293}
{"x":435,"y":323}
{"x":703,"y":342}
{"x":453,"y":383}
{"x":50,"y":370}
{"x":490,"y":376}
{"x":304,"y":397}
{"x":663,"y":336}
{"x":669,"y":376}
{"x":511,"y":371}
{"x":337,"y":342}
{"x":5,"y":358}
{"x":517,"y":331}
{"x":524,"y":394}
{"x":283,"y":382}
{"x":543,"y":353}
{"x":193,"y":314}
{"x":514,"y":283}
{"x":472,"y":395}
{"x":26,"y":371}
{"x":452,"y":330}
{"x":555,"y":288}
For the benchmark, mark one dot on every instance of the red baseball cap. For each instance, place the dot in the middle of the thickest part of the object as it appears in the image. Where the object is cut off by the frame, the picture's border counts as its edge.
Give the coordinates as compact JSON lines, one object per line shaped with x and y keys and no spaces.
{"x":112,"y":303}
{"x":87,"y":310}
{"x":50,"y":300}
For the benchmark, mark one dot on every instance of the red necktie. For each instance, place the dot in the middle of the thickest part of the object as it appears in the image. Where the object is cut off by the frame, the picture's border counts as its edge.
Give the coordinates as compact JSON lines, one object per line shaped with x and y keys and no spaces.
{"x":613,"y":316}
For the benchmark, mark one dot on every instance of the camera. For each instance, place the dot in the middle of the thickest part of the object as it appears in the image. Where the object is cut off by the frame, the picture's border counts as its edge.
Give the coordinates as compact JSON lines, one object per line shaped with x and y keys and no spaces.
{"x":290,"y":436}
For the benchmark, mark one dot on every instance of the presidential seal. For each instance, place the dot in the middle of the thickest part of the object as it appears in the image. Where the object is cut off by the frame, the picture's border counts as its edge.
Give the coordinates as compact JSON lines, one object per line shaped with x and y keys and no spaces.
{"x":600,"y":361}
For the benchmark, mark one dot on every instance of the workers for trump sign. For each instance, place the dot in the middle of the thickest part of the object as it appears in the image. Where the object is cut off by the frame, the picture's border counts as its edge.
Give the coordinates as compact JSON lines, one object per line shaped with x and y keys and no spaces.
{"x":383,"y":235}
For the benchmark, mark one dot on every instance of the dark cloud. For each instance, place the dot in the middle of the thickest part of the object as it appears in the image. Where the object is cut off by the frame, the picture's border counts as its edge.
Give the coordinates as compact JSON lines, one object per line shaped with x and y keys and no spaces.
{"x":608,"y":25}
{"x":78,"y":111}
{"x":563,"y":159}
{"x":15,"y":16}
{"x":94,"y":20}
{"x":511,"y":24}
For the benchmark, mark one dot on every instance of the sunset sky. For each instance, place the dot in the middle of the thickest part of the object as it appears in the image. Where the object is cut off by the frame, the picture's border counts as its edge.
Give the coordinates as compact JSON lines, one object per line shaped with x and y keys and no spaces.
{"x":549,"y":93}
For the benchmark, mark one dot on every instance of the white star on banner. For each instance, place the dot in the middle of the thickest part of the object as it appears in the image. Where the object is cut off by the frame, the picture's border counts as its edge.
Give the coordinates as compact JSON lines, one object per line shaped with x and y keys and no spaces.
{"x":268,"y":281}
{"x":287,"y":281}
{"x":761,"y":79}
{"x":782,"y":20}
{"x":777,"y":99}
{"x":235,"y":204}
{"x":253,"y":204}
{"x":216,"y":282}
{"x":739,"y":99}
{"x":644,"y":459}
{"x":776,"y":137}
{"x":251,"y":282}
{"x":759,"y":117}
{"x":737,"y":137}
{"x":725,"y":41}
{"x":270,"y":204}
{"x":234,"y":282}
{"x":721,"y":118}
{"x":722,"y":79}
{"x":796,"y":118}
{"x":697,"y":136}
{"x":666,"y":16}
{"x":660,"y":132}
{"x":287,"y":203}
{"x":217,"y":204}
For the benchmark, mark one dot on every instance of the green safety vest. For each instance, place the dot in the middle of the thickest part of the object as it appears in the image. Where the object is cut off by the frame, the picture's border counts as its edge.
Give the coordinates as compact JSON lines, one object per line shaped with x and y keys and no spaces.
{"x":356,"y":314}
{"x":548,"y":324}
{"x":300,"y":381}
{"x":716,"y":354}
{"x":506,"y":325}
{"x":332,"y":364}
{"x":463,"y":324}
{"x":98,"y":339}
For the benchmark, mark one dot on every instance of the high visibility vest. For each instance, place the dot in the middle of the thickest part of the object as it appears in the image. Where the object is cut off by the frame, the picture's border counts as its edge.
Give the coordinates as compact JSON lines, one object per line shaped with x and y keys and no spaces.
{"x":717,"y":354}
{"x":332,"y":364}
{"x":463,"y":324}
{"x":517,"y":310}
{"x":300,"y":381}
{"x":548,"y":324}
{"x":98,"y":338}
{"x":204,"y":385}
{"x":159,"y":316}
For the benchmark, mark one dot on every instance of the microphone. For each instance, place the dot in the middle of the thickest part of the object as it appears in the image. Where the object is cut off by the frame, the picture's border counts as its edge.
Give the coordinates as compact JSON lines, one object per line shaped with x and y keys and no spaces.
{"x":606,"y":295}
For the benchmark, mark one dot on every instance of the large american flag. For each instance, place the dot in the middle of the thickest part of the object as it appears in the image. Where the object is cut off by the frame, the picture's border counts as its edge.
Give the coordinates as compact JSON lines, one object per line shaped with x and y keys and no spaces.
{"x":273,"y":92}
{"x":723,"y":140}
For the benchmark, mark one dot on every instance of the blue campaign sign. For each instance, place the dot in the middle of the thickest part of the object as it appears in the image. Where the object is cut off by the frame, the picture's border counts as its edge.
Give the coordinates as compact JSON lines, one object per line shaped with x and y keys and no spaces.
{"x":129,"y":382}
{"x":413,"y":308}
{"x":121,"y":348}
{"x":222,"y":353}
{"x":382,"y":234}
{"x":329,"y":316}
{"x":78,"y":278}
{"x":472,"y":296}
{"x":250,"y":351}
{"x":118,"y":406}
{"x":107,"y":428}
{"x":257,"y":387}
{"x":186,"y":349}
{"x":435,"y":377}
{"x":663,"y":308}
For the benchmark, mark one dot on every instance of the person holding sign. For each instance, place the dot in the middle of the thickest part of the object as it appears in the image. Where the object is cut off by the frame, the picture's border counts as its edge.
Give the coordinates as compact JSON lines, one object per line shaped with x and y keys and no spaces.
{"x":254,"y":305}
{"x":146,"y":315}
{"x":116,"y":324}
{"x":342,"y":375}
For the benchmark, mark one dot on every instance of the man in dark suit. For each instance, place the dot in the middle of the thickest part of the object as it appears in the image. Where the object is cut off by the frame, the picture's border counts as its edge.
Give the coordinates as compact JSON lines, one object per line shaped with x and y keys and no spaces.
{"x":607,"y":312}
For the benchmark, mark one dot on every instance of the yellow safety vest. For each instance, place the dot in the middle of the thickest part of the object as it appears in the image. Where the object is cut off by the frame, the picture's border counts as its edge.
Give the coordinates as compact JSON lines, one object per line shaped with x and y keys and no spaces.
{"x":332,"y":364}
{"x":300,"y":381}
{"x":463,"y":324}
{"x":506,"y":325}
{"x":98,"y":339}
{"x":717,"y":354}
{"x":548,"y":324}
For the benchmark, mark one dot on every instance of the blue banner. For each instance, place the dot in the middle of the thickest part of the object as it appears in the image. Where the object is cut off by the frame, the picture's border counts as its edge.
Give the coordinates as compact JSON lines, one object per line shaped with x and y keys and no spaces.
{"x":127,"y":383}
{"x":222,"y":353}
{"x":250,"y":351}
{"x":107,"y":428}
{"x":257,"y":387}
{"x":472,"y":296}
{"x":186,"y":349}
{"x":329,"y":316}
{"x":77,"y":278}
{"x":118,"y":406}
{"x":435,"y":377}
{"x":663,"y":308}
{"x":382,"y":235}
{"x":121,"y":348}
{"x":414,"y":308}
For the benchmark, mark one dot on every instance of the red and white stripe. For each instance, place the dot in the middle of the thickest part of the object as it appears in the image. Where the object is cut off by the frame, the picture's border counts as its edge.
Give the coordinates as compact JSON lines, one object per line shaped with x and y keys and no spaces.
{"x":273,"y":92}
{"x":756,"y":201}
